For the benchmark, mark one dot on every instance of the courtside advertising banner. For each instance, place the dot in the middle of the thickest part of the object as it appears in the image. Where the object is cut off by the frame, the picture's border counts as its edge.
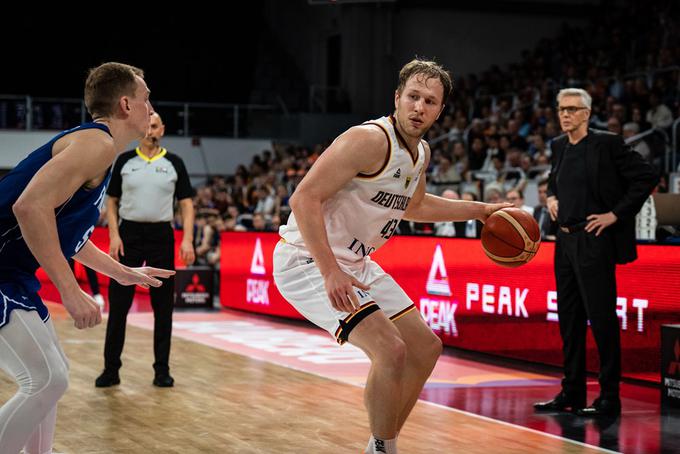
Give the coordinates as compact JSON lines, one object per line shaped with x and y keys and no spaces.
{"x":474,"y":304}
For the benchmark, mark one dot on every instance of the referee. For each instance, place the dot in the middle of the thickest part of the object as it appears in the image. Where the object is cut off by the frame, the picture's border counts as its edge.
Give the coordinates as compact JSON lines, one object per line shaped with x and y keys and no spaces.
{"x":144,"y":184}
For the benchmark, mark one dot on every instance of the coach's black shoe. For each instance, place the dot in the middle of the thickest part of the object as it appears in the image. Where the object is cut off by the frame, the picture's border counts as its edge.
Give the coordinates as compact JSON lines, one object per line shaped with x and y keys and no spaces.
{"x":107,"y":379}
{"x":602,"y":407}
{"x":163,"y":381}
{"x":561,"y":402}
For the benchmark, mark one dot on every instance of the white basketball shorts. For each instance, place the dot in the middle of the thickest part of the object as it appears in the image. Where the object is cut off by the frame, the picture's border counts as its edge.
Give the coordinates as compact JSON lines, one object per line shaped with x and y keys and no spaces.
{"x":300,"y":282}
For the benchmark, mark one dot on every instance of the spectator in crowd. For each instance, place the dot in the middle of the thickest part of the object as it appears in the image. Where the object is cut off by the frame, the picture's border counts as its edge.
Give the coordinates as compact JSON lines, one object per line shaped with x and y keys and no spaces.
{"x":259,"y":224}
{"x":446,"y":228}
{"x":282,"y":198}
{"x":631,"y":129}
{"x":516,"y":197}
{"x":446,"y":173}
{"x":516,"y":139}
{"x":460,"y":159}
{"x":206,"y":238}
{"x":547,"y":226}
{"x":266,"y":201}
{"x":471,"y":228}
{"x":274,"y":223}
{"x":477,"y":154}
{"x":493,"y":193}
{"x":658,"y":115}
{"x":614,"y":125}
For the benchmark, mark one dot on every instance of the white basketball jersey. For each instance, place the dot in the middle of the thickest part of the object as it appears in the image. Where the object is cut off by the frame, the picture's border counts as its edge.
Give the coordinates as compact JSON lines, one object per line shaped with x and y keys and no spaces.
{"x":364,"y":214}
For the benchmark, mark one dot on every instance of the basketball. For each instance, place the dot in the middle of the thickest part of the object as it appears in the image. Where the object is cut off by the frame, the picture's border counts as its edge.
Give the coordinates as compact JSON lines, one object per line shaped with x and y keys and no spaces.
{"x":511,"y":237}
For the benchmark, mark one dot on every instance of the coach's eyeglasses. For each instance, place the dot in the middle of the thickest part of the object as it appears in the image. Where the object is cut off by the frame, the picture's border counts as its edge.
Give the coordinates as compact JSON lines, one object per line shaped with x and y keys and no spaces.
{"x":571,"y":110}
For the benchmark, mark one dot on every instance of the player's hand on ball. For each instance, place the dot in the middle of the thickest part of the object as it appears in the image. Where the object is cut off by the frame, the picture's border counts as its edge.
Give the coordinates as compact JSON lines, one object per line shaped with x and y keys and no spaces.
{"x":490,"y":208}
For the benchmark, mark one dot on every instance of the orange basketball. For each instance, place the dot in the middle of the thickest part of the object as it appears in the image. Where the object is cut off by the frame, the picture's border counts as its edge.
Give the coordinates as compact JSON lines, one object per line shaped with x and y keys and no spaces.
{"x":511,"y":237}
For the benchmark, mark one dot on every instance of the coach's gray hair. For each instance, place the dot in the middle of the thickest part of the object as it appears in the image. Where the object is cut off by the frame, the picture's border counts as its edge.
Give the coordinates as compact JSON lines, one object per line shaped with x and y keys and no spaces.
{"x":585,"y":97}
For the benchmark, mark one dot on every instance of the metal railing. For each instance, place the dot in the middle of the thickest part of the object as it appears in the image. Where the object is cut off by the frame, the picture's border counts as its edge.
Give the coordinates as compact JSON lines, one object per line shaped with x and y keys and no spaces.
{"x":667,"y":143}
{"x":186,"y":119}
{"x":674,"y":150}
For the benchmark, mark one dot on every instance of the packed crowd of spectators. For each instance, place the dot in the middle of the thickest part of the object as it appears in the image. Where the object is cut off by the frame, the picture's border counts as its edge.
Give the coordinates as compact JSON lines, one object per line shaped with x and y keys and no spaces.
{"x":506,"y":119}
{"x":493,"y":138}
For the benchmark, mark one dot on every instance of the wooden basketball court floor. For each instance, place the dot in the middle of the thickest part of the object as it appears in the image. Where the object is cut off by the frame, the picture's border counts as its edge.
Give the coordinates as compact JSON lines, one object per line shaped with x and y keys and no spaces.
{"x":235,"y":403}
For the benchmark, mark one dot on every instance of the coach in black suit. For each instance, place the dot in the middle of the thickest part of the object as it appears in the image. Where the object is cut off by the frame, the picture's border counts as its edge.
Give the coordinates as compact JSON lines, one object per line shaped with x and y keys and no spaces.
{"x":599,"y":184}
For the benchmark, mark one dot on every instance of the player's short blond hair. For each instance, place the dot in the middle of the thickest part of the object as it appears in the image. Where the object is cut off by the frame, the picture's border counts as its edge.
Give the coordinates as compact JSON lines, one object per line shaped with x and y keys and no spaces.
{"x":431,"y":70}
{"x":105,"y":85}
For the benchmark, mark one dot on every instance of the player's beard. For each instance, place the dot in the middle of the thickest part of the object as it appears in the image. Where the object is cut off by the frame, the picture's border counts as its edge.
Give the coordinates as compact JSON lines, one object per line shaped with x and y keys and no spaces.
{"x":409,"y":130}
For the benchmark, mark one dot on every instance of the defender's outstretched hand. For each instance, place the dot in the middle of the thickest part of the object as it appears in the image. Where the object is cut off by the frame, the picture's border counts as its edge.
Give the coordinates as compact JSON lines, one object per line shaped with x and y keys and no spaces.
{"x":144,"y":276}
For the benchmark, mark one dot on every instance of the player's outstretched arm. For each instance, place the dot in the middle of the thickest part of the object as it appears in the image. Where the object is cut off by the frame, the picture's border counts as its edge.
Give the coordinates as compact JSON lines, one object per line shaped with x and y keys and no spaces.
{"x":431,"y":208}
{"x":93,"y":257}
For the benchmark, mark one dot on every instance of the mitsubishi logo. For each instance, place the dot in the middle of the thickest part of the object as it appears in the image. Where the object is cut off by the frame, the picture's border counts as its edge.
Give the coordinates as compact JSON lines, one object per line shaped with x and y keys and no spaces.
{"x":195,"y":285}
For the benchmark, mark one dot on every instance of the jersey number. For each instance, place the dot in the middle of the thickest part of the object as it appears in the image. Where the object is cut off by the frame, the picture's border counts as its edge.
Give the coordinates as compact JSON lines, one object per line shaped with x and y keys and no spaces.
{"x":86,"y":237}
{"x":389,"y":228}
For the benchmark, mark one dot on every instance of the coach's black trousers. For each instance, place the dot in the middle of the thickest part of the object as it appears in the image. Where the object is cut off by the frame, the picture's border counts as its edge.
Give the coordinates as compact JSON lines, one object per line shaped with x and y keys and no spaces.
{"x":585,"y":270}
{"x":154,"y":244}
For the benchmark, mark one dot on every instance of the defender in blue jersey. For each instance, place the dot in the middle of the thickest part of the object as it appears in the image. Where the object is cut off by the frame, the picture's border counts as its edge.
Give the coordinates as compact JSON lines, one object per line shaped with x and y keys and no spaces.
{"x":49,"y":204}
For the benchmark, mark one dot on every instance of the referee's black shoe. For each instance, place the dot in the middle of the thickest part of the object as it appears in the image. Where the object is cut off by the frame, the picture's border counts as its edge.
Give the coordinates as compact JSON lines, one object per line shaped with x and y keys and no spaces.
{"x":602,"y":407}
{"x":164,"y":381}
{"x":561,"y":402}
{"x":107,"y":379}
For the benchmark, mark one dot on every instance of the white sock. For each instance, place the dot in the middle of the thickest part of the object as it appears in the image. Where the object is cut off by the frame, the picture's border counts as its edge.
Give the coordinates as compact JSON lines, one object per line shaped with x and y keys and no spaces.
{"x":378,"y":446}
{"x":369,"y":447}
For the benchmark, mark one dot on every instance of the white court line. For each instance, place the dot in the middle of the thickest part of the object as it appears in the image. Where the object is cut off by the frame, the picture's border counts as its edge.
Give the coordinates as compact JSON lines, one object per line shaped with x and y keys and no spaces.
{"x":485,"y":418}
{"x":455,"y":410}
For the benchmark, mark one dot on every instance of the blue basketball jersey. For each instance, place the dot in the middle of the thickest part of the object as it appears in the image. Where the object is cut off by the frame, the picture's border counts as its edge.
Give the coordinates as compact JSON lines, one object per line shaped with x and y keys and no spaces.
{"x":76,"y":219}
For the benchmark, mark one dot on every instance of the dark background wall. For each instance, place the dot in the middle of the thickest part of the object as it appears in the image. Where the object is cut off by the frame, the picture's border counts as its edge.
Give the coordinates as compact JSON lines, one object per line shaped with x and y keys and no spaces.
{"x":189,"y":54}
{"x":271,"y":52}
{"x":375,"y":39}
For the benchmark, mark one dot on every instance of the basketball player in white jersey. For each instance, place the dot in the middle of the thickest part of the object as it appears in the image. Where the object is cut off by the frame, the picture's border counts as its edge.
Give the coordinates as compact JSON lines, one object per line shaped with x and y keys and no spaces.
{"x":347,"y":206}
